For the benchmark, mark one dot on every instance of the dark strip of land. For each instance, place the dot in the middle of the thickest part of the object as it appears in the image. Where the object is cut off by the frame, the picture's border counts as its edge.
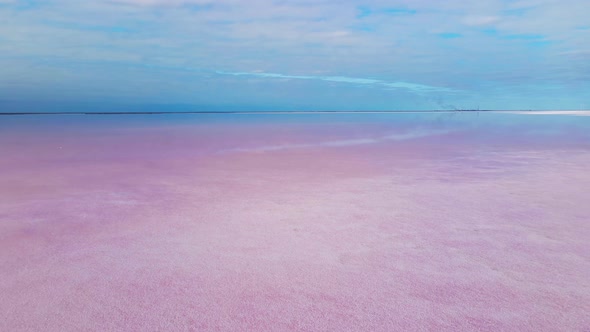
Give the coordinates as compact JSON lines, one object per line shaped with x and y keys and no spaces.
{"x":241,"y":112}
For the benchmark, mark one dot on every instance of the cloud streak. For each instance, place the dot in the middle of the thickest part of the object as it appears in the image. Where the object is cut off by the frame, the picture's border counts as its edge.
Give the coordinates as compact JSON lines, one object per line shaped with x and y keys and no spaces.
{"x":414,"y":87}
{"x":380,"y":55}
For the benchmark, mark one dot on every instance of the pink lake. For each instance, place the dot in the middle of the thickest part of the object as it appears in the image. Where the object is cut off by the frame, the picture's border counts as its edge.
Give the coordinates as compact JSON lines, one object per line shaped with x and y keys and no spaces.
{"x":452,"y":222}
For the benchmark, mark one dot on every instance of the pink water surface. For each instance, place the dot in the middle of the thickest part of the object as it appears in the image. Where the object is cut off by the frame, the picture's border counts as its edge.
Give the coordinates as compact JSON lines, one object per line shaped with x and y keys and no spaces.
{"x":292,"y":227}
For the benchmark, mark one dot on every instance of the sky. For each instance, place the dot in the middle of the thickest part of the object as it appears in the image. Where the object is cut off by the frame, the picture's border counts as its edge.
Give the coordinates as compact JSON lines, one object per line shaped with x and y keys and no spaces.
{"x":62,"y":55}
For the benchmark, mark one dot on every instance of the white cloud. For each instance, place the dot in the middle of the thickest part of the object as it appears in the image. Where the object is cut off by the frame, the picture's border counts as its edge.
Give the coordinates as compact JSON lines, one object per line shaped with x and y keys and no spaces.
{"x":414,"y":87}
{"x":395,"y":52}
{"x":481,"y":20}
{"x":167,"y":3}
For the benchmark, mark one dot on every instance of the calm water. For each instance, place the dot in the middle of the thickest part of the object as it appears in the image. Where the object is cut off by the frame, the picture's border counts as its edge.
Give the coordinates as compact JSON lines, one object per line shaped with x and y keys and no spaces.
{"x":342,"y":222}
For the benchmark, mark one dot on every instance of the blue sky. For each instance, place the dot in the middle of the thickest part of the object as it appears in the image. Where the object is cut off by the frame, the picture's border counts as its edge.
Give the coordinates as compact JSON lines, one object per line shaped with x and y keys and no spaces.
{"x":286,"y":55}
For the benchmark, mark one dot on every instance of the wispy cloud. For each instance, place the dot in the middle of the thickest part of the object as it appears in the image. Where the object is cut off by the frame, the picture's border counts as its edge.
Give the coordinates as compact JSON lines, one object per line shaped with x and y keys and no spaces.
{"x":163,"y":2}
{"x":481,"y":20}
{"x":492,"y":53}
{"x":365,"y":11}
{"x":449,"y":35}
{"x":414,"y":87}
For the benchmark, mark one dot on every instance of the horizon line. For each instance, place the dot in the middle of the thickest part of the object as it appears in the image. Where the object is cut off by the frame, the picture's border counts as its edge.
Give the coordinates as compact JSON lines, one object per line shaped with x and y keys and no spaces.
{"x":287,"y":112}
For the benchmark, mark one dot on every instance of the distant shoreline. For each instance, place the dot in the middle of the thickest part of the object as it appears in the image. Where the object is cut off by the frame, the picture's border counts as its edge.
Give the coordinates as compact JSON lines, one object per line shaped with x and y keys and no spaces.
{"x":296,"y":112}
